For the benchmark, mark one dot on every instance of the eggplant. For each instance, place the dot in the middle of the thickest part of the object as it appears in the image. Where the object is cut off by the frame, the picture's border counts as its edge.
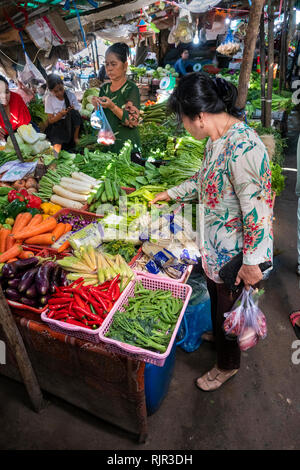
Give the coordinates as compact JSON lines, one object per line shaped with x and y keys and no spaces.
{"x":13,"y":283}
{"x":44,"y":299}
{"x":26,"y":301}
{"x":31,"y":292}
{"x":63,"y":279}
{"x":27,"y":279}
{"x":54,"y":279}
{"x":25,"y":264}
{"x":43,"y":277}
{"x":9,"y":270}
{"x":12,"y":294}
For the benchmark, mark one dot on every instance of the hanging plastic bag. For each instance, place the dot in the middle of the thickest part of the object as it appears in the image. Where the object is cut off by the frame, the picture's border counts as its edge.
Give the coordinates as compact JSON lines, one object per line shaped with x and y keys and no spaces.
{"x":229,"y":46}
{"x":99,"y":121}
{"x":30,"y":72}
{"x":245,"y":321}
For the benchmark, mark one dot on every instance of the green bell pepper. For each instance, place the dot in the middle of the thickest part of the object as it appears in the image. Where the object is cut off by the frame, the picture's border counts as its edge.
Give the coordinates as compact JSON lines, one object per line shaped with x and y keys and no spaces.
{"x":15,"y":207}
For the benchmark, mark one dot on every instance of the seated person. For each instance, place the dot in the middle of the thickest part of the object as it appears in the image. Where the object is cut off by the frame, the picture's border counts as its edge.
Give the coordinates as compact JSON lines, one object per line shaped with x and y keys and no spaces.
{"x":183,"y":65}
{"x":15,"y":108}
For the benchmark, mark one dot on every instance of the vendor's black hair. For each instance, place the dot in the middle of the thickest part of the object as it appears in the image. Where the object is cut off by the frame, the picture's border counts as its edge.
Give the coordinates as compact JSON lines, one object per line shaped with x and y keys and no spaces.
{"x":196,"y":93}
{"x":3,"y":79}
{"x":53,"y":80}
{"x":120,"y":49}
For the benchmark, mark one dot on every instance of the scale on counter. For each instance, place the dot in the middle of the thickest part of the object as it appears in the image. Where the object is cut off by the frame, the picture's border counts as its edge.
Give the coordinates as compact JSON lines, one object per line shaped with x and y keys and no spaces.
{"x":167,"y":83}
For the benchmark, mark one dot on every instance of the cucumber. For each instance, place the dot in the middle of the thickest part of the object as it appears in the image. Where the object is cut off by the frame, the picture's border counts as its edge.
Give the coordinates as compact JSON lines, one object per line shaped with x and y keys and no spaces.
{"x":103,"y":197}
{"x":99,"y":192}
{"x":108,"y":190}
{"x":115,"y":189}
{"x":4,"y":190}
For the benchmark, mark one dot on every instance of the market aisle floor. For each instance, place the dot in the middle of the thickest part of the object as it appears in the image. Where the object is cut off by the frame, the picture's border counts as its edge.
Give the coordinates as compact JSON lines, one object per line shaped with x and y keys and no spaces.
{"x":258,"y":409}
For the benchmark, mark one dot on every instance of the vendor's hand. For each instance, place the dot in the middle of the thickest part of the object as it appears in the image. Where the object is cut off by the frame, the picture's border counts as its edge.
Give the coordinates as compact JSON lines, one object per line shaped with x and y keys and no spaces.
{"x":164,"y":196}
{"x":63,"y":113}
{"x":96,"y":101}
{"x":107,"y":103}
{"x":251,"y":275}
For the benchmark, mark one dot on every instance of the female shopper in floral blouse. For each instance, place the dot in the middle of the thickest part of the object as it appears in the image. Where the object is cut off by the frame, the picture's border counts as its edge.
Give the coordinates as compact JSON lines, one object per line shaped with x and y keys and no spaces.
{"x":234,"y":190}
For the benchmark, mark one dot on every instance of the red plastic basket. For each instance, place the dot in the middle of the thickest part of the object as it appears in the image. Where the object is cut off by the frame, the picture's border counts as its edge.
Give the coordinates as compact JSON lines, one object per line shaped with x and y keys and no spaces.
{"x":139,"y":254}
{"x":183,"y":291}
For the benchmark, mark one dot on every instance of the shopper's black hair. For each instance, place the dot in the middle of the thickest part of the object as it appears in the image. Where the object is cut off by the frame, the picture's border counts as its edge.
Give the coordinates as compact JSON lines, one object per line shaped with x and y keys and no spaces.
{"x":120,"y":49}
{"x":53,"y":80}
{"x":197,"y":92}
{"x":3,"y":79}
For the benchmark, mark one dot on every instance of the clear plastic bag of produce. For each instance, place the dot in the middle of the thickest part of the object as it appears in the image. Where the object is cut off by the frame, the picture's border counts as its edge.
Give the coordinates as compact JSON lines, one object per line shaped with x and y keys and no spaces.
{"x":100,"y":122}
{"x":245,"y":321}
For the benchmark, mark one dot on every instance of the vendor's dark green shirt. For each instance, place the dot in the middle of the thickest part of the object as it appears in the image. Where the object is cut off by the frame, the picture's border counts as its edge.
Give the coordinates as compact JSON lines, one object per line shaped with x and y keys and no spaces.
{"x":128,"y":92}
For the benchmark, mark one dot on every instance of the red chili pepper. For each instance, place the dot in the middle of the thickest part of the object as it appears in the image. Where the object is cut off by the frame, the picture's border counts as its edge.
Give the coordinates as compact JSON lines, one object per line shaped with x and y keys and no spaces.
{"x":116,"y":293}
{"x":61,"y":316}
{"x":57,"y":306}
{"x":75,"y":322}
{"x":78,"y":300}
{"x":94,"y":322}
{"x":59,"y":300}
{"x":87,"y":313}
{"x":113,"y":282}
{"x":24,"y":193}
{"x":78,"y":281}
{"x":101,"y":302}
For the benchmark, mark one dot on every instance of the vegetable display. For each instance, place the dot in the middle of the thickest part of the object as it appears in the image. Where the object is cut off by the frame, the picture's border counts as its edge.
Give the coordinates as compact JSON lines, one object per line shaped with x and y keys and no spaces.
{"x":154,"y":113}
{"x":31,"y":143}
{"x":148,"y":320}
{"x":84,"y":305}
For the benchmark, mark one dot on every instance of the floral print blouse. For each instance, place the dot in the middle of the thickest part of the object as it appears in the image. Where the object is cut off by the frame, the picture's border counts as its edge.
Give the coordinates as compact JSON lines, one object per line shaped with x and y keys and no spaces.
{"x":235,"y":200}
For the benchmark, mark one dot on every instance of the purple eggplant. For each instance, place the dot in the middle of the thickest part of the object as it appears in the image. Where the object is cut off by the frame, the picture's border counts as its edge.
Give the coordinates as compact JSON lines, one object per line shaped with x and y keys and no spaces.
{"x":27,"y":279}
{"x":25,"y":264}
{"x":43,"y":277}
{"x":13,"y":283}
{"x":63,"y":279}
{"x":31,"y":292}
{"x":54,"y":279}
{"x":12,"y":294}
{"x":9,"y":270}
{"x":44,"y":299}
{"x":26,"y":301}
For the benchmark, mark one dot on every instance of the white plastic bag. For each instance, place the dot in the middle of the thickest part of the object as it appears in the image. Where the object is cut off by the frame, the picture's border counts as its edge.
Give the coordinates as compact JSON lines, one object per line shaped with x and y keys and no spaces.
{"x":245,"y":321}
{"x":29,"y":72}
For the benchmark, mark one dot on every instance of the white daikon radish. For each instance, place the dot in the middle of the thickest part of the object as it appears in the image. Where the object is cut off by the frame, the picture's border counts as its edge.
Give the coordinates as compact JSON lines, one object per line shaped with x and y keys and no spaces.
{"x":74,"y":188}
{"x":84,"y":178}
{"x":72,"y":180}
{"x":60,"y":191}
{"x":65,"y":202}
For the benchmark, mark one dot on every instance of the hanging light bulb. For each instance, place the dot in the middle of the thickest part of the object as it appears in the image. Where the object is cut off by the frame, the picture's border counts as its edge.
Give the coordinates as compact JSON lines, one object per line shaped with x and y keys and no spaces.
{"x":227,"y":21}
{"x":196,"y":37}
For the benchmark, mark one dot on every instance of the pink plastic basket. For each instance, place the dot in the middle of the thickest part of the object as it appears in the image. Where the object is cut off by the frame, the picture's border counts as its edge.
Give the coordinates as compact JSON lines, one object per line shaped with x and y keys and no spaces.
{"x":72,"y":330}
{"x":139,"y":254}
{"x":183,"y":291}
{"x":79,"y":331}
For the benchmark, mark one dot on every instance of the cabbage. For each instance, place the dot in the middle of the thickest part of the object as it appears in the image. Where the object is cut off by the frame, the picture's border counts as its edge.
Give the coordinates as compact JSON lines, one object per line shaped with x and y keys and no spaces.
{"x":26,"y":149}
{"x":89,"y":92}
{"x":89,"y":107}
{"x":28,"y":134}
{"x":42,"y":136}
{"x":85,"y":113}
{"x":9,"y":144}
{"x":39,"y":147}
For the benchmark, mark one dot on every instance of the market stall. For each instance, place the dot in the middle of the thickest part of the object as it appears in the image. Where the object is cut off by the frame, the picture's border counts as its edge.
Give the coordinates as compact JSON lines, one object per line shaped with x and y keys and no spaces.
{"x":98,"y":280}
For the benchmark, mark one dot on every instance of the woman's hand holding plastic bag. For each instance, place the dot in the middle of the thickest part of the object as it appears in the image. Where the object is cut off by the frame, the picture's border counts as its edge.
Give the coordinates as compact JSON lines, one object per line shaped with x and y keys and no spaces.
{"x":245,"y":321}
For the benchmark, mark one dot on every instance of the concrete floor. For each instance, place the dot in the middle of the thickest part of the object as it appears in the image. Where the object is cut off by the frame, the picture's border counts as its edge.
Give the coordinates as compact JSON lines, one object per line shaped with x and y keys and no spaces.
{"x":258,"y":409}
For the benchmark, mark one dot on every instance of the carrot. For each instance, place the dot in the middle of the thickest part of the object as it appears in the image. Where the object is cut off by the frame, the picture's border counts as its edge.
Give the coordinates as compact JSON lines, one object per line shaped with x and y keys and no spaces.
{"x":68,"y":228}
{"x":12,"y":260}
{"x":43,"y":239}
{"x":46,"y":226}
{"x":4,"y":232}
{"x":37,"y":219}
{"x":26,"y":254}
{"x":10,"y":241}
{"x":22,"y":222}
{"x":17,"y":222}
{"x":63,"y":247}
{"x":11,"y":253}
{"x":58,"y":231}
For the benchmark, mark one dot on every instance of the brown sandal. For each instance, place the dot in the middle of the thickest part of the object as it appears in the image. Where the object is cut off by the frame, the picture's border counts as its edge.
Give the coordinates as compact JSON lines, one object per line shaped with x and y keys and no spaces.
{"x":213,"y":379}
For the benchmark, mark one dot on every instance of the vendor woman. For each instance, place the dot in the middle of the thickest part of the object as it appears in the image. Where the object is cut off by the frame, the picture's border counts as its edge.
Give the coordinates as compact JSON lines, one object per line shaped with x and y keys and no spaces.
{"x":15,"y":108}
{"x":120,"y":99}
{"x":64,"y":119}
